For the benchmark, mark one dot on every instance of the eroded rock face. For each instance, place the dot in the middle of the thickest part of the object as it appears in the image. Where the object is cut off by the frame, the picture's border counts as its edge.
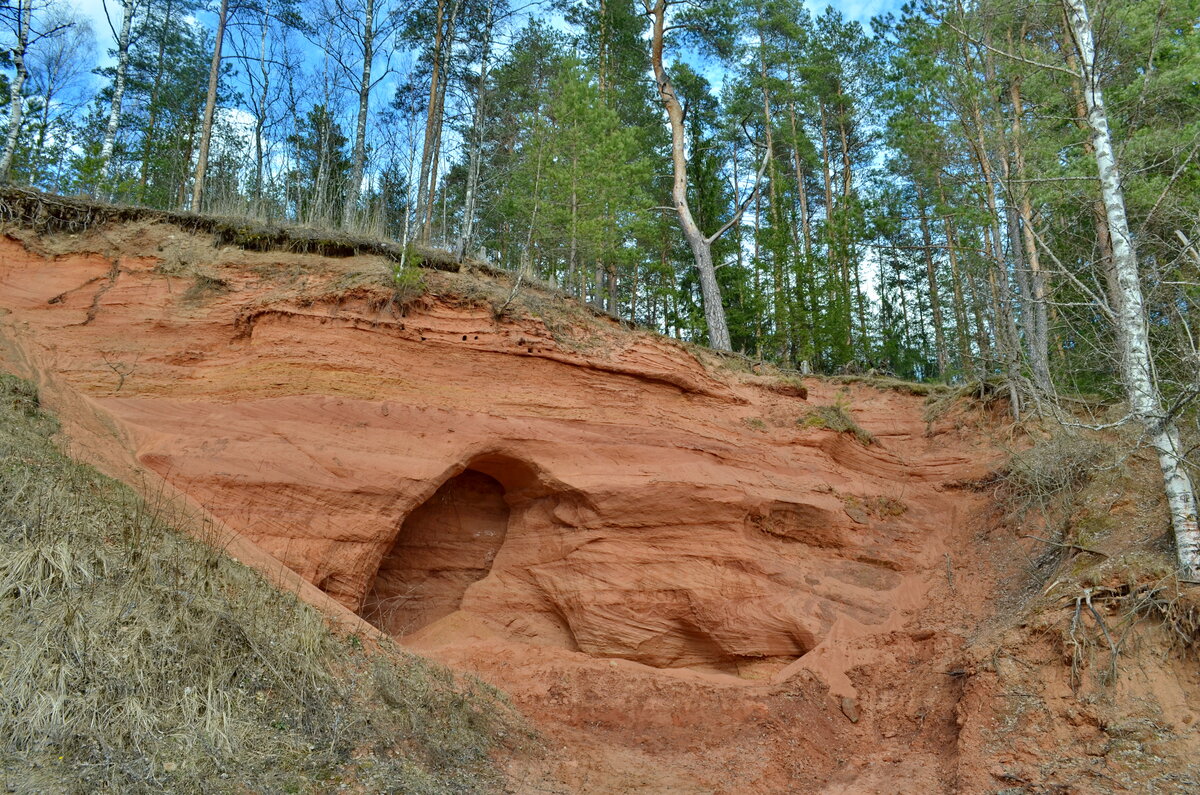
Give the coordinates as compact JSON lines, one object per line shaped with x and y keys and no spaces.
{"x":444,"y":546}
{"x":613,"y":497}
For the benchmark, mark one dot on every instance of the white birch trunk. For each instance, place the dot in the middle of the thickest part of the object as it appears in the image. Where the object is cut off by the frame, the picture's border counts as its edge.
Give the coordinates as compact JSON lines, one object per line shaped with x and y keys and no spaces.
{"x":16,"y":101}
{"x":359,"y":157}
{"x":114,"y":110}
{"x":1145,"y":401}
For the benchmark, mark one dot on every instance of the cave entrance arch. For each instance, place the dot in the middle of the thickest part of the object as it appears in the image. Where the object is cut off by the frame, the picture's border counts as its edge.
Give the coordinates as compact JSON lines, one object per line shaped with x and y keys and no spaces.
{"x":445,"y":545}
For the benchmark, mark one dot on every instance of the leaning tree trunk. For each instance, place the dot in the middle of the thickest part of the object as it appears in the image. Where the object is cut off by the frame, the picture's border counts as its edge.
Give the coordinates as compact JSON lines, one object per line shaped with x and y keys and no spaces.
{"x":114,"y":109}
{"x":433,"y":121}
{"x":16,"y":101}
{"x":210,"y":106}
{"x":935,"y":299}
{"x":1137,"y":366}
{"x":359,"y":158}
{"x":710,"y":289}
{"x":435,"y":153}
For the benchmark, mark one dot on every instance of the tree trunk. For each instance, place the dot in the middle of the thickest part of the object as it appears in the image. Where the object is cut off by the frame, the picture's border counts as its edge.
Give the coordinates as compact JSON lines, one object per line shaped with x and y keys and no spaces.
{"x":935,"y":301}
{"x":114,"y":111}
{"x":839,"y":301}
{"x":439,"y":80}
{"x":1103,"y":238}
{"x":260,"y":120}
{"x":476,"y":143}
{"x":780,"y":292}
{"x":16,"y":101}
{"x":358,"y":158}
{"x":573,"y":267}
{"x":1038,"y":326}
{"x":1145,"y":400}
{"x":962,"y":327}
{"x":435,"y":76}
{"x":714,"y":311}
{"x":802,"y":192}
{"x":527,"y":256}
{"x":1008,"y":339}
{"x":210,"y":107}
{"x":152,"y":110}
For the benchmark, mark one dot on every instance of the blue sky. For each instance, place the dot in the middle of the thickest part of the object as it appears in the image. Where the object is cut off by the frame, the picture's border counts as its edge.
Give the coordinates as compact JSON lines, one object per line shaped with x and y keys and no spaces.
{"x":862,"y":10}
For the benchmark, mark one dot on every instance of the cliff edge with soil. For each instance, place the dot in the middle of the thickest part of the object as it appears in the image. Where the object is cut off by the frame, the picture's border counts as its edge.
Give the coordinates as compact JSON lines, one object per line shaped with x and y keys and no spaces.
{"x":678,"y":570}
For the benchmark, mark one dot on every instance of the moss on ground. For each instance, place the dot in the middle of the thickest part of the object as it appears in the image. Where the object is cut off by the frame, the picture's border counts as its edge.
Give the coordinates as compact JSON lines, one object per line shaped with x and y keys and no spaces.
{"x":134,"y":658}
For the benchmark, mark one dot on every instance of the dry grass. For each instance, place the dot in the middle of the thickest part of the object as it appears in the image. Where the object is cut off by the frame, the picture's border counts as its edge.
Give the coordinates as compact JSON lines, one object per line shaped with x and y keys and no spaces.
{"x":1107,"y":587}
{"x":886,"y":383}
{"x":1052,"y":468}
{"x":47,"y":214}
{"x":983,"y":395}
{"x":837,"y":418}
{"x":135,"y":659}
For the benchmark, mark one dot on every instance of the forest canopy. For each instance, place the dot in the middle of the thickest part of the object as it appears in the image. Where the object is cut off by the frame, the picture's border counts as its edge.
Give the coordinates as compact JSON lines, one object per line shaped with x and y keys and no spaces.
{"x":919,"y":197}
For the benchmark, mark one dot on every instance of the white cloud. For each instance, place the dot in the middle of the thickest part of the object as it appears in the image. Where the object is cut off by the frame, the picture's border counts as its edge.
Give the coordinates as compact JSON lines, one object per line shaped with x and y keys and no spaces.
{"x":94,"y":11}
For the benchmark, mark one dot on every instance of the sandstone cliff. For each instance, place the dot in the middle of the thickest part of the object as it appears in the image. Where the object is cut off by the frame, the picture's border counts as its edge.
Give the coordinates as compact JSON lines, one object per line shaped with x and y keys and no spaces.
{"x":678,"y":577}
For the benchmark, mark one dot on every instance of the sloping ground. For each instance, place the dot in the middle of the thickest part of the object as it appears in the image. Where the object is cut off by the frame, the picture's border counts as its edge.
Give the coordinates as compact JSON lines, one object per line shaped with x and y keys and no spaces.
{"x":136,"y":659}
{"x":1086,"y":679}
{"x":687,"y":585}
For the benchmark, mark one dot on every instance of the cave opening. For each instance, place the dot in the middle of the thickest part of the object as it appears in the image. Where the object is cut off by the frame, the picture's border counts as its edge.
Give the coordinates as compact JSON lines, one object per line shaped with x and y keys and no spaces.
{"x":443,"y":547}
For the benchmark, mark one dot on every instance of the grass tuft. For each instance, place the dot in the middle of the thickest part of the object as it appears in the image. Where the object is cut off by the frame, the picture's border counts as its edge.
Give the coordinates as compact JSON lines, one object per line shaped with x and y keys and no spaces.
{"x":136,"y":659}
{"x":837,"y":418}
{"x":887,"y":383}
{"x":1056,"y":465}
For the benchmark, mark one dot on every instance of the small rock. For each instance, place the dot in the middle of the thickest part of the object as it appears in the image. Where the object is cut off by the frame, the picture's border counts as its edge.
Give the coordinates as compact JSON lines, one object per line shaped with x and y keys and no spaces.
{"x":850,"y":708}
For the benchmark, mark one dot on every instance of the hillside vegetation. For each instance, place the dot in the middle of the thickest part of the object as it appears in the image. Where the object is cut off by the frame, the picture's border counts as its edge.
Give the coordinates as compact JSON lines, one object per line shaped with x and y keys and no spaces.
{"x":136,"y":659}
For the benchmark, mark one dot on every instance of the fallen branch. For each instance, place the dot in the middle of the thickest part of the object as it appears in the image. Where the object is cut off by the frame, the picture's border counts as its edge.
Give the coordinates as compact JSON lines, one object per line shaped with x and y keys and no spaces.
{"x":1068,"y":546}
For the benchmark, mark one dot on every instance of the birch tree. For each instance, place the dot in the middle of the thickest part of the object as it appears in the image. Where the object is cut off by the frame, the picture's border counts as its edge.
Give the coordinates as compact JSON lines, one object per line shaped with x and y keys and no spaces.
{"x":58,"y":73}
{"x":445,"y":29}
{"x":475,"y":141}
{"x":365,"y":23}
{"x":128,"y":9}
{"x":20,"y":17}
{"x":1137,"y":365}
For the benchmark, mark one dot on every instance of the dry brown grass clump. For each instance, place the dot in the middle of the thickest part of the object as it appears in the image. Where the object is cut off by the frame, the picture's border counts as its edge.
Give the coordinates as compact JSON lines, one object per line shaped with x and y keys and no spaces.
{"x":136,"y":659}
{"x":47,"y":213}
{"x":837,"y":418}
{"x":887,"y":383}
{"x":1052,"y":467}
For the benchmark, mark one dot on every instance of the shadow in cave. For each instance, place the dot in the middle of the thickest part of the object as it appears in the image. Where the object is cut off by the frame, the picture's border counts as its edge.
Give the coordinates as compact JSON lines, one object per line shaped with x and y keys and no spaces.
{"x":444,"y":546}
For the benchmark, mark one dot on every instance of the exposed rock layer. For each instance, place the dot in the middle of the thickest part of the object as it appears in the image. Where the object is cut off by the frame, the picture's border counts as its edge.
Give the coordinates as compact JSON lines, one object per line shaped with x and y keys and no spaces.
{"x":444,"y":546}
{"x":517,"y":495}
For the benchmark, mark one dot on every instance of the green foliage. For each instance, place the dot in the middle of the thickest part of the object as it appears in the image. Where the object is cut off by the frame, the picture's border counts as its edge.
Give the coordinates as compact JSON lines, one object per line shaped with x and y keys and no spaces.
{"x":322,"y":167}
{"x":408,"y":283}
{"x":913,"y":175}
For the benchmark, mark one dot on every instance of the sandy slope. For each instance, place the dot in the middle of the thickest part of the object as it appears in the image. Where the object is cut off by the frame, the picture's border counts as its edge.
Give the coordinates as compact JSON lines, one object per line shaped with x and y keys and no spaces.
{"x":684,"y":588}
